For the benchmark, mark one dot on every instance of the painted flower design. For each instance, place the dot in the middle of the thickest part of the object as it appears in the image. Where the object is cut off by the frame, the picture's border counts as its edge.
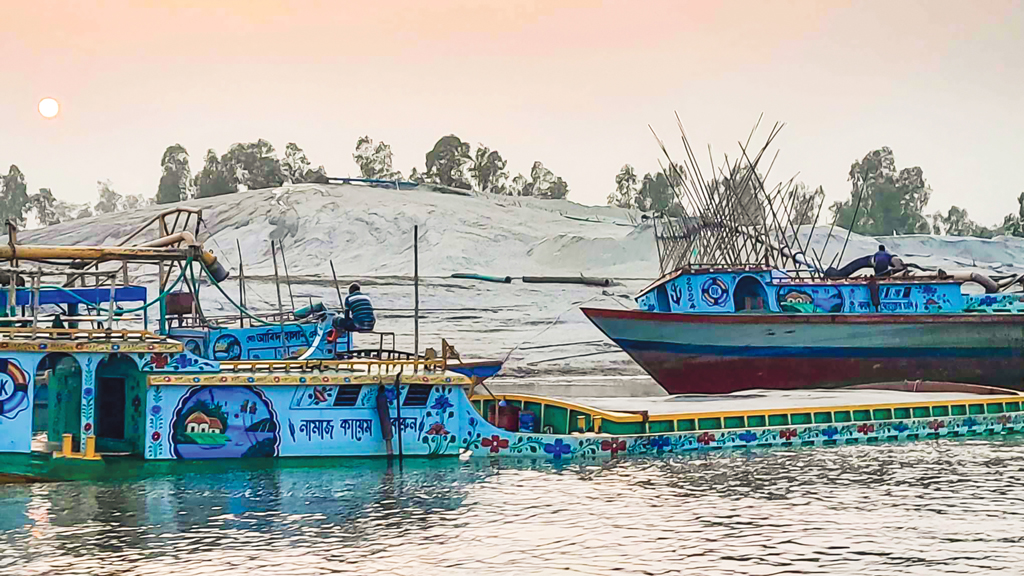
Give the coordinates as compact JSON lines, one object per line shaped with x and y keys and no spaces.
{"x":661,"y":443}
{"x":788,"y":434}
{"x":705,"y":438}
{"x":156,"y":436}
{"x":614,"y":446}
{"x":182,"y":361}
{"x":935,"y":425}
{"x":747,"y":436}
{"x":970,"y":422}
{"x":557,"y":449}
{"x":497,"y":443}
{"x":830,"y":432}
{"x":87,"y":392}
{"x":437,"y":429}
{"x":441,"y":403}
{"x":1004,"y":419}
{"x":159,"y":360}
{"x":87,"y":427}
{"x":900,"y":427}
{"x":390,"y":392}
{"x":155,"y":410}
{"x":865,"y":428}
{"x":137,"y":403}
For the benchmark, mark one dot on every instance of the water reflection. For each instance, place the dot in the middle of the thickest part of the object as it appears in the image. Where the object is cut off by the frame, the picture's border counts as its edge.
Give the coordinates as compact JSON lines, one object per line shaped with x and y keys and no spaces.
{"x":925,"y":508}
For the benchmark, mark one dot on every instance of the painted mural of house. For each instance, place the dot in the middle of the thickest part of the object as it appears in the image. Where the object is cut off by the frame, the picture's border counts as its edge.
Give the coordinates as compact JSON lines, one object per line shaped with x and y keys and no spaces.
{"x":201,"y":423}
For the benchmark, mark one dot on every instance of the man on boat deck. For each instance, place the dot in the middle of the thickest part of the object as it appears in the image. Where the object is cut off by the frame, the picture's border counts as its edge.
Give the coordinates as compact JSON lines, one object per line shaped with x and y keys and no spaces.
{"x":358,"y":311}
{"x":882,"y":260}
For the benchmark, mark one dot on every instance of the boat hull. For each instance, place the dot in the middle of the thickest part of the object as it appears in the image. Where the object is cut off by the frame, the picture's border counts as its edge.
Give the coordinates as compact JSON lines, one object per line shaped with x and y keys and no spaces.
{"x":719,"y":354}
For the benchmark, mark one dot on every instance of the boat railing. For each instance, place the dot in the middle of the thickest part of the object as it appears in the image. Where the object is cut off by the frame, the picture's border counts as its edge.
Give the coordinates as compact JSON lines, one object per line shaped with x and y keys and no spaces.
{"x":81,"y":335}
{"x":359,"y":366}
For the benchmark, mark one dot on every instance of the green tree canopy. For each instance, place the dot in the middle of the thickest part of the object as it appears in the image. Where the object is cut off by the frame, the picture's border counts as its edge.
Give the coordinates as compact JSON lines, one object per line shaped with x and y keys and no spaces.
{"x":488,"y":170}
{"x":176,"y":177}
{"x":297,"y":168}
{"x":890,"y":200}
{"x":215,"y":179}
{"x":626,"y":186}
{"x":44,"y":206}
{"x":110,"y":201}
{"x":13,"y":197}
{"x":374,"y":160}
{"x":254,"y":164}
{"x":446,"y":162}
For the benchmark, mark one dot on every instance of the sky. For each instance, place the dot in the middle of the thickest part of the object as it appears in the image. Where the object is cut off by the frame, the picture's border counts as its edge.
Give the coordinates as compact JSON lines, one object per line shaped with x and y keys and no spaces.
{"x":572,"y":84}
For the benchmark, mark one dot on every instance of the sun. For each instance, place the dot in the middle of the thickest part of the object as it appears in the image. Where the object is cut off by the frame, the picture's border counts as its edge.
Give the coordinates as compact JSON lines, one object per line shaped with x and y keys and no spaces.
{"x":48,"y":107}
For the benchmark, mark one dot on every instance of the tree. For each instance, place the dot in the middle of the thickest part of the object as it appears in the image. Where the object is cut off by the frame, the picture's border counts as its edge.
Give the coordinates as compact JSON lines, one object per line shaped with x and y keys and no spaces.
{"x":13,"y":197}
{"x":1013,"y":224}
{"x":133,"y":201}
{"x":254,"y":165}
{"x":890,"y":200}
{"x":296,"y":167}
{"x":446,"y":162}
{"x":544,"y":184}
{"x":214,"y":179}
{"x":44,"y":205}
{"x":625,"y":188}
{"x":518,"y":186}
{"x":110,"y":201}
{"x":804,"y":203}
{"x":176,"y":180}
{"x":655,"y":193}
{"x":488,"y":170}
{"x":374,"y":160}
{"x":417,"y":176}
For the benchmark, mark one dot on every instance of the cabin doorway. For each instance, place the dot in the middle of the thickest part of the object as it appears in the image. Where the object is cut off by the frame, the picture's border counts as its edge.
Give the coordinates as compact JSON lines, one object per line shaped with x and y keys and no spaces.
{"x":57,"y":402}
{"x":120,"y":405}
{"x":750,"y":295}
{"x":110,"y":405}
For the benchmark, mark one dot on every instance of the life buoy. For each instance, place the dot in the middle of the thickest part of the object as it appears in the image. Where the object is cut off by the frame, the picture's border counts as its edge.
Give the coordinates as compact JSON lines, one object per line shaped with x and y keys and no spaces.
{"x":332,"y":335}
{"x":13,"y":389}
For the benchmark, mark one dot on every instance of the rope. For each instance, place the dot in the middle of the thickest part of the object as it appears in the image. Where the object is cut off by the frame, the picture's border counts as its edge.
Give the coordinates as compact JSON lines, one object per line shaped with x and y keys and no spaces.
{"x":553,"y":322}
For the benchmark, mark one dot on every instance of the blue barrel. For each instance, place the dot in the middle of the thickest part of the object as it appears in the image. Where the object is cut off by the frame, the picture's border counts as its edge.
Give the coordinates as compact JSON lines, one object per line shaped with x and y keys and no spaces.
{"x":527,"y":422}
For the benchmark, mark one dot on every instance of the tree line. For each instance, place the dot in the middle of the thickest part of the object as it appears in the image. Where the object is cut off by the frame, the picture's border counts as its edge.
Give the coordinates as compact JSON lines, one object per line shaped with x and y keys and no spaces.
{"x":883,"y":200}
{"x":455,"y":164}
{"x":16,"y":204}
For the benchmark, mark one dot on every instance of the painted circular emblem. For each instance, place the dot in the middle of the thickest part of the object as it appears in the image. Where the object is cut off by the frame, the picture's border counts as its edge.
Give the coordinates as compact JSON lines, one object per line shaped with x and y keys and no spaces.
{"x":13,"y":389}
{"x":714,"y":291}
{"x":227,"y":347}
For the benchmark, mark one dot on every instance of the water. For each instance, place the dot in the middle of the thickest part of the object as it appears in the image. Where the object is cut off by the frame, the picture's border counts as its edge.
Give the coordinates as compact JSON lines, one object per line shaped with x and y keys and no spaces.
{"x":938,"y":507}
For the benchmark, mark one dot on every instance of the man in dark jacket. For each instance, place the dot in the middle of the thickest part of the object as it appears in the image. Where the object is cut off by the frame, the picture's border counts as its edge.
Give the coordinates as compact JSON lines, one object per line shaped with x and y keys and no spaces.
{"x":882,"y":260}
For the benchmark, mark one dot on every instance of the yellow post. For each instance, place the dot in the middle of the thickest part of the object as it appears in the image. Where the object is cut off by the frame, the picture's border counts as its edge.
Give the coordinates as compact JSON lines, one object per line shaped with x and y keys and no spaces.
{"x":597,"y":424}
{"x":66,"y":445}
{"x":90,"y":447}
{"x":581,"y":423}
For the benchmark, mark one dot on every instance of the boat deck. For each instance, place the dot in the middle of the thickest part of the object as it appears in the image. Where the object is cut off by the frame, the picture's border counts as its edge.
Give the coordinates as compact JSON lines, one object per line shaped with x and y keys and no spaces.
{"x":761,"y":400}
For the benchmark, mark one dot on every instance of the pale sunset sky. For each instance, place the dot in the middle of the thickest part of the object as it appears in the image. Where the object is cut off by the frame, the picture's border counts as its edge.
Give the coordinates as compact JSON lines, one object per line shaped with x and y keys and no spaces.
{"x":570,"y":83}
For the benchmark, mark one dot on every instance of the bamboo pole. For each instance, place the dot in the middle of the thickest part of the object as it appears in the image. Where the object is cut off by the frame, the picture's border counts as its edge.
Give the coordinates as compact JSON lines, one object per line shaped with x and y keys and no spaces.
{"x":287,"y":278}
{"x":416,"y":295}
{"x":241,"y":285}
{"x":341,"y":301}
{"x":280,"y":305}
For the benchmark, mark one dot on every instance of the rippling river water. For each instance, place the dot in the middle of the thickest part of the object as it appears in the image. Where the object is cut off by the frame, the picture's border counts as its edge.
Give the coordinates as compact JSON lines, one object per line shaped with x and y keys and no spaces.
{"x":924,"y":508}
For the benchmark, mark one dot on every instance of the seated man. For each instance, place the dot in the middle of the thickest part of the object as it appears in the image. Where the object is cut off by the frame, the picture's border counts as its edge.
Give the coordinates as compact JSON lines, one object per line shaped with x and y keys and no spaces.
{"x":882,"y":260}
{"x":358,"y":312}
